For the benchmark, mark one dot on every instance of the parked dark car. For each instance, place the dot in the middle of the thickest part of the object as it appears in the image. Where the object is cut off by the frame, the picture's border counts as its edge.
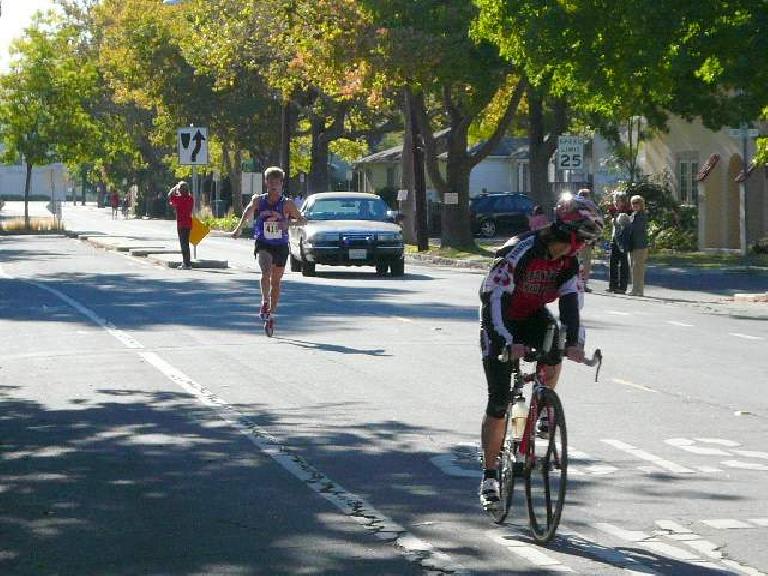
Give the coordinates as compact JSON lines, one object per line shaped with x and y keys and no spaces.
{"x":347,"y":229}
{"x":492,"y":214}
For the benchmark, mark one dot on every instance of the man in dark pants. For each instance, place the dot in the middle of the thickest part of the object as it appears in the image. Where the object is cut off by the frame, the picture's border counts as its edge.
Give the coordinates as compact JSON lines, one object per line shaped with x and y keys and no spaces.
{"x":180,"y":198}
{"x":618,"y":265}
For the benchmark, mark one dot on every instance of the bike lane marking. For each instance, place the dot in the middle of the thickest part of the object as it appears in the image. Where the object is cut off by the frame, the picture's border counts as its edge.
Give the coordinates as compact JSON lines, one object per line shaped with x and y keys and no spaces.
{"x":643,"y":455}
{"x":531,"y":553}
{"x":412,"y":548}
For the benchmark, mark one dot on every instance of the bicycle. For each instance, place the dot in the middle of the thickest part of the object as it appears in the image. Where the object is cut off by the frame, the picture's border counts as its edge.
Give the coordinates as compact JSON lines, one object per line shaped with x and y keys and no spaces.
{"x":543,"y":465}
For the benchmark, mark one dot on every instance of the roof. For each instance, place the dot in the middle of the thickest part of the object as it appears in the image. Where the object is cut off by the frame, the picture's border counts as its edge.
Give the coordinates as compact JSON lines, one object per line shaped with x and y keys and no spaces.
{"x":507,"y":147}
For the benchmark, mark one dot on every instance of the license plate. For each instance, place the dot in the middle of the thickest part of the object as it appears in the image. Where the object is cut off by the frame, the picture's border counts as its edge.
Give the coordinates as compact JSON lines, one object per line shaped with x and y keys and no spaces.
{"x":358,"y":253}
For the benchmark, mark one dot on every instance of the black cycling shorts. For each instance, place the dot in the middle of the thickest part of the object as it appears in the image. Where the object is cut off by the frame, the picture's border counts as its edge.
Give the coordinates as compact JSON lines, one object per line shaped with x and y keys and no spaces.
{"x":529,"y":331}
{"x":279,"y":252}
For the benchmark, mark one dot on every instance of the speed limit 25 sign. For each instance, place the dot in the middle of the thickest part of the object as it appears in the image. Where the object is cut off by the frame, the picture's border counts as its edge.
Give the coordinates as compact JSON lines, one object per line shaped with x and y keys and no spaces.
{"x":570,"y":152}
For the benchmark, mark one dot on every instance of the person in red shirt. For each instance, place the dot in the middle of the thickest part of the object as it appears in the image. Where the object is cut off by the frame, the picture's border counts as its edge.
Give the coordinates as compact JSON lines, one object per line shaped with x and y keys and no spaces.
{"x":114,"y":202}
{"x":180,"y":198}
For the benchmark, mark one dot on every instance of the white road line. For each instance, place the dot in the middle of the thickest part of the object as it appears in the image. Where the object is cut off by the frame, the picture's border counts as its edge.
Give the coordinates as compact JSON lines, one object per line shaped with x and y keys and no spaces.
{"x":759,"y":521}
{"x":373,"y":521}
{"x":617,"y":313}
{"x":745,"y":336}
{"x":752,"y":454}
{"x":633,"y":385}
{"x":603,"y":553}
{"x":661,"y":462}
{"x":689,"y":446}
{"x":726,"y":524}
{"x":527,"y":551}
{"x":628,"y":535}
{"x":719,"y":441}
{"x":682,"y":324}
{"x":740,"y":464}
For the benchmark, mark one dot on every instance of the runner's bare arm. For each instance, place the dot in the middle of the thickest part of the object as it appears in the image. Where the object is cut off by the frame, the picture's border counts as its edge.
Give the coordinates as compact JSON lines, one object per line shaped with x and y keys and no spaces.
{"x":248,"y":213}
{"x":293,"y":212}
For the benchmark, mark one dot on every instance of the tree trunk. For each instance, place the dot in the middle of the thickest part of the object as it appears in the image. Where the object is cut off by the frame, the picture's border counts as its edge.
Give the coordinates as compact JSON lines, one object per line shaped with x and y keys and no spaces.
{"x":317,"y":180}
{"x":456,"y":228}
{"x":235,"y":184}
{"x":408,"y":206}
{"x":27,"y":183}
{"x":537,"y":157}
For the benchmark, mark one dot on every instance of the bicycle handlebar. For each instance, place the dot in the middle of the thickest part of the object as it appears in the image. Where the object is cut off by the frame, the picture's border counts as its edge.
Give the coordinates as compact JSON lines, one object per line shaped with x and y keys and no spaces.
{"x":535,"y":355}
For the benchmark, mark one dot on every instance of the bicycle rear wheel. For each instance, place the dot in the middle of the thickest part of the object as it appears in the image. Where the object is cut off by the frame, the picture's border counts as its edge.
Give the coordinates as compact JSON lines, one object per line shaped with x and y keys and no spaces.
{"x":546,"y":470}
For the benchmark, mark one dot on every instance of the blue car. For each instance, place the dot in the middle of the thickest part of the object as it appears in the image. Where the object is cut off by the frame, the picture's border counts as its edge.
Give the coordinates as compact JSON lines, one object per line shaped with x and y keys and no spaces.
{"x":493,"y":214}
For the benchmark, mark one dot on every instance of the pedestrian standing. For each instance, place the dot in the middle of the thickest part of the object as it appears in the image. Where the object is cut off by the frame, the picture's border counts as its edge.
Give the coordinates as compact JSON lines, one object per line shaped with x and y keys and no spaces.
{"x":618,"y":265}
{"x":180,"y":198}
{"x":114,"y":202}
{"x":537,"y":220}
{"x":585,"y":254}
{"x":638,"y":244}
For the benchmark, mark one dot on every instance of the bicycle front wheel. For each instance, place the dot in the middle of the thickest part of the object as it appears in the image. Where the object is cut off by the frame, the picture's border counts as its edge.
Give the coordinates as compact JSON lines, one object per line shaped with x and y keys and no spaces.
{"x":546,"y":469}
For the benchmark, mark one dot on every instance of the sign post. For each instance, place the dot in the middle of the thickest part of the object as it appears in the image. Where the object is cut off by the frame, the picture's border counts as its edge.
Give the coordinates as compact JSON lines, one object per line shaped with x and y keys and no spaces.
{"x":193,"y":151}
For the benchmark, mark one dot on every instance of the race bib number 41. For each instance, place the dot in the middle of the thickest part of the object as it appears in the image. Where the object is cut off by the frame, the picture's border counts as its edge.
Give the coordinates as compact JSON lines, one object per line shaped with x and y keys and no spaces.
{"x":272,"y":230}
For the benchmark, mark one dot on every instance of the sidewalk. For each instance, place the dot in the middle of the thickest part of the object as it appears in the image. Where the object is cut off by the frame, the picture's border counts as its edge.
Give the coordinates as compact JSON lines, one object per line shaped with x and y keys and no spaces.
{"x":729,"y":290}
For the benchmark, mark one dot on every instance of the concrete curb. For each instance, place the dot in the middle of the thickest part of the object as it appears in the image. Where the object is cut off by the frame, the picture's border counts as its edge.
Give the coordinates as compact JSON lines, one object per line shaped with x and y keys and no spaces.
{"x":157,"y":253}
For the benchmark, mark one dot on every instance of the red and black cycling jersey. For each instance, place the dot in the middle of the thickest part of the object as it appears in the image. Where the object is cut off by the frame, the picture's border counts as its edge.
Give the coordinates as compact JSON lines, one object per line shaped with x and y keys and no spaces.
{"x":524,"y":278}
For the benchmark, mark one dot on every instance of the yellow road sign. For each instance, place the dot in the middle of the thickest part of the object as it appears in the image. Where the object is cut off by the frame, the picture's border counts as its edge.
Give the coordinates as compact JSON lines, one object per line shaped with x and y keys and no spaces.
{"x":198,"y":232}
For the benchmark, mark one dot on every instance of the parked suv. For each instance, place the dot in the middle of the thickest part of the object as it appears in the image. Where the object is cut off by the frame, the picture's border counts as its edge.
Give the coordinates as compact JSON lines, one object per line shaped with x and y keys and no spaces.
{"x":492,"y":214}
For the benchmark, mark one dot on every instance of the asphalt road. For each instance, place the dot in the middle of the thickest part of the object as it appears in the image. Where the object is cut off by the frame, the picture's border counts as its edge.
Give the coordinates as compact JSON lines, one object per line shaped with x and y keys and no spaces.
{"x":149,"y":426}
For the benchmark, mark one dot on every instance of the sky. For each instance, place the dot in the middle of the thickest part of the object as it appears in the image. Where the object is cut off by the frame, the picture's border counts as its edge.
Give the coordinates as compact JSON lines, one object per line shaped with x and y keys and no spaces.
{"x":17,"y":15}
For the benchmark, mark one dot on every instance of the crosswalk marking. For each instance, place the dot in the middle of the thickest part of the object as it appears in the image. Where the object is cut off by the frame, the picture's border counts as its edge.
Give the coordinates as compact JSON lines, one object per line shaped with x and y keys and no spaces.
{"x":759,"y":521}
{"x":528,"y":551}
{"x":726,"y":524}
{"x":636,"y":452}
{"x":676,"y":323}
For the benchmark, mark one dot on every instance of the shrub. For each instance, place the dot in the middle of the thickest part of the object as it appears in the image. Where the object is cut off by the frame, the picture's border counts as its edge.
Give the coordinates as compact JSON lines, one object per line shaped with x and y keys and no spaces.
{"x":670,"y":225}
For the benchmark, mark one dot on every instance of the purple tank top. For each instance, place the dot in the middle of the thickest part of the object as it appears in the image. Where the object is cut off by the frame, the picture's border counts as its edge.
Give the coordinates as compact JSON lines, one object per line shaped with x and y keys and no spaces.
{"x":270,"y":230}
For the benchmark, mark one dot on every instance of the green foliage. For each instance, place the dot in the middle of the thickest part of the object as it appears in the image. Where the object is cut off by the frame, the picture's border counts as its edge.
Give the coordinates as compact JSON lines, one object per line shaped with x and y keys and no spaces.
{"x":670,"y":226}
{"x":227,"y":223}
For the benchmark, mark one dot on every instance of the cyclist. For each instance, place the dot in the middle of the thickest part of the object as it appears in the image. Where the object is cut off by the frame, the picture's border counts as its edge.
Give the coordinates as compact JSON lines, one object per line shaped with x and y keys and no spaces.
{"x":271,"y":213}
{"x":530,"y":271}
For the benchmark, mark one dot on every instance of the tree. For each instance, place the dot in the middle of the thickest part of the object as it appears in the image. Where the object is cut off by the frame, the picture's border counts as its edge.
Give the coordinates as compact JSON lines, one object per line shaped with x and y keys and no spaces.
{"x":629,"y":58}
{"x":44,"y":98}
{"x":425,"y":45}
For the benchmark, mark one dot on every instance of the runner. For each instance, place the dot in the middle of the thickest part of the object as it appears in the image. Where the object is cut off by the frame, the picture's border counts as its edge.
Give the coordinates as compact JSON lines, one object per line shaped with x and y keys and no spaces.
{"x":271,"y":213}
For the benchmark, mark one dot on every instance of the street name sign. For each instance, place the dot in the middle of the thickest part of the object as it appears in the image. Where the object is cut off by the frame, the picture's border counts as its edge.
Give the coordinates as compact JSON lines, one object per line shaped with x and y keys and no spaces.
{"x":193,"y":146}
{"x":570,"y":152}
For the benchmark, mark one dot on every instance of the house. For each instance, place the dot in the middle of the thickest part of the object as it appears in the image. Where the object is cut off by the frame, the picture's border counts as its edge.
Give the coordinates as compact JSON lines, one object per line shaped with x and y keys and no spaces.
{"x":505,"y":169}
{"x":707,"y":170}
{"x":45,"y":179}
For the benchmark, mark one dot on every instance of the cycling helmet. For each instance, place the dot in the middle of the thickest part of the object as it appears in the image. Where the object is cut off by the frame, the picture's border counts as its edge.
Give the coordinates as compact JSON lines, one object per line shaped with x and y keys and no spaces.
{"x":578,"y":215}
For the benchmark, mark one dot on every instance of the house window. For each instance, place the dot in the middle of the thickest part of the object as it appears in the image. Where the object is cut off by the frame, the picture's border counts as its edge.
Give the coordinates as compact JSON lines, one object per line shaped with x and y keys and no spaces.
{"x":524,"y":177}
{"x":390,"y":177}
{"x":687,"y":186}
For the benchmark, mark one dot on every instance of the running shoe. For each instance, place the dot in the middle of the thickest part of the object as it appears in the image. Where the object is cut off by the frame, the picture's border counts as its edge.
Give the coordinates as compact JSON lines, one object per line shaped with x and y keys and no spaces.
{"x":490,"y":493}
{"x":542,"y":426}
